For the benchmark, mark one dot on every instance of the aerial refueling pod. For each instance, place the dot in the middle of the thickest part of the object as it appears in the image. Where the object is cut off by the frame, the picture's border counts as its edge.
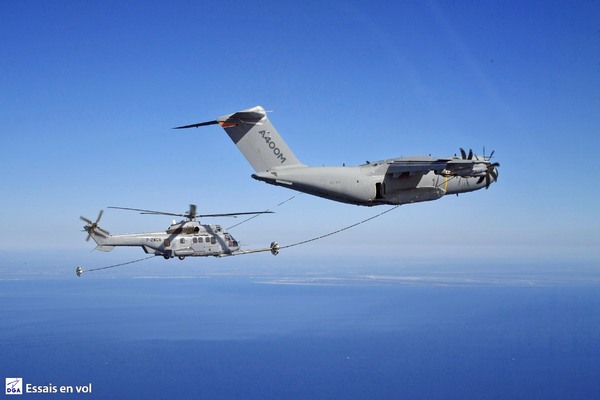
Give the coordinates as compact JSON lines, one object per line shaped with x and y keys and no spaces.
{"x":274,"y":248}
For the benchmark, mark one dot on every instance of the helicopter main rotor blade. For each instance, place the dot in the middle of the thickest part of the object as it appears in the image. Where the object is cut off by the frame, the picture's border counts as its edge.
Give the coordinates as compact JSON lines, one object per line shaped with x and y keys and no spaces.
{"x":233,"y":214}
{"x":142,"y":211}
{"x":192,"y":213}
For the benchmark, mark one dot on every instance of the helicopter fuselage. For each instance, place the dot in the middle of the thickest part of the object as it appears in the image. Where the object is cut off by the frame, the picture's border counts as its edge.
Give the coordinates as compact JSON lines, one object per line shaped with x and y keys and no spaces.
{"x":182,"y":239}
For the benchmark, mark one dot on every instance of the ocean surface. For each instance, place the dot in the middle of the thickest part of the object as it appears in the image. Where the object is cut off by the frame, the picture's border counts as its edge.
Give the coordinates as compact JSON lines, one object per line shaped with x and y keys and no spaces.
{"x":322,"y":337}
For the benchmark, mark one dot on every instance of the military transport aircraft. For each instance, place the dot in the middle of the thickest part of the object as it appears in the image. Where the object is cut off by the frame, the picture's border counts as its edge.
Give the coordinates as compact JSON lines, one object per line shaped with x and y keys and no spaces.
{"x":182,"y":239}
{"x":393,"y":181}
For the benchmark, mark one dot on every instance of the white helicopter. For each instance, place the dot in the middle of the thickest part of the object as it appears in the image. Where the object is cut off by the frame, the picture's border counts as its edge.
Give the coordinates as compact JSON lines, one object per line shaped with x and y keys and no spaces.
{"x":393,"y":181}
{"x":182,"y":239}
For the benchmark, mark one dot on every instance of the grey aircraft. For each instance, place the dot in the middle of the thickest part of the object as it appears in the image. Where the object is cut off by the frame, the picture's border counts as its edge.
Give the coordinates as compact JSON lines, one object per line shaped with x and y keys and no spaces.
{"x":393,"y":181}
{"x":182,"y":239}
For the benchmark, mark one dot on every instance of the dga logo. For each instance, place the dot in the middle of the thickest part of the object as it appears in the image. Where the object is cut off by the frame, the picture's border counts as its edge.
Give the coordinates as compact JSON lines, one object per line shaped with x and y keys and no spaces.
{"x":14,"y":385}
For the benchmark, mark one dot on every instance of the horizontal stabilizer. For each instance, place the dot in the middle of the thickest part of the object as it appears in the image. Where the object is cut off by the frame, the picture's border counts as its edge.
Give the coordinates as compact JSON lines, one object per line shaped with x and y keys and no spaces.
{"x":197,"y":125}
{"x":105,"y":248}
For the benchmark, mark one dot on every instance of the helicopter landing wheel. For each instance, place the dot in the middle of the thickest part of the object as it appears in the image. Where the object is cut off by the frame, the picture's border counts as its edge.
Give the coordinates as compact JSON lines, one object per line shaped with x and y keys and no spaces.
{"x":166,"y":256}
{"x":181,"y":257}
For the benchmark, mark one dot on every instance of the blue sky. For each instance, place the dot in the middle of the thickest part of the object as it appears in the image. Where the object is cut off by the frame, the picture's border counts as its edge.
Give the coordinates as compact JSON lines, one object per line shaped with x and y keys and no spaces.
{"x":90,"y":92}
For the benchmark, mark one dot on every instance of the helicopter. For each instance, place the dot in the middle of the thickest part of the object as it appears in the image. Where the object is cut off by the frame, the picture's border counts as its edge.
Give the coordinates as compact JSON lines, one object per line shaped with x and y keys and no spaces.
{"x":187,"y":238}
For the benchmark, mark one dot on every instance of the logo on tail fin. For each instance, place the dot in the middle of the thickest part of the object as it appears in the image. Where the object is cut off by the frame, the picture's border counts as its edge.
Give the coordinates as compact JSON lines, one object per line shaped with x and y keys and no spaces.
{"x":273,"y":146}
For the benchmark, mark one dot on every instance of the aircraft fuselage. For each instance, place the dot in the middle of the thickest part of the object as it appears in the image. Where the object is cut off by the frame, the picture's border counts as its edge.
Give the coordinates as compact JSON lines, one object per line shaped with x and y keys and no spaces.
{"x":369,"y":184}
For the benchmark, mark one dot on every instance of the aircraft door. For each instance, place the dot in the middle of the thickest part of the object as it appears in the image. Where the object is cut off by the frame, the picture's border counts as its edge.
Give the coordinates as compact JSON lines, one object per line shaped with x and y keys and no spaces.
{"x":198,"y":244}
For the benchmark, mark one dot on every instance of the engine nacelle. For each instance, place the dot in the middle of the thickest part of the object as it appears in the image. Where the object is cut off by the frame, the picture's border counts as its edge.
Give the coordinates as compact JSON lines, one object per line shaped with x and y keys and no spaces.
{"x":479,"y":169}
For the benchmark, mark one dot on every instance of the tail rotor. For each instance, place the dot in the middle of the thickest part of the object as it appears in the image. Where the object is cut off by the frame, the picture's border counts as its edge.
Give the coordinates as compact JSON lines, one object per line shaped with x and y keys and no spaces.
{"x":93,"y":228}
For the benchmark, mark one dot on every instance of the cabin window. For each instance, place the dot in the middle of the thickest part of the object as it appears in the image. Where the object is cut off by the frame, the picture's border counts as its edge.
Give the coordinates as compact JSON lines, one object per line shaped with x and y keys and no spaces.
{"x":182,"y":240}
{"x":167,"y":242}
{"x":195,"y":240}
{"x":213,"y":240}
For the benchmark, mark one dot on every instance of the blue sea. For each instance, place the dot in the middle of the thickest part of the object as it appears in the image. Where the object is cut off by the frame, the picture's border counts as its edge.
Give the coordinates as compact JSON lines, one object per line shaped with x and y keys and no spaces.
{"x":335,"y":336}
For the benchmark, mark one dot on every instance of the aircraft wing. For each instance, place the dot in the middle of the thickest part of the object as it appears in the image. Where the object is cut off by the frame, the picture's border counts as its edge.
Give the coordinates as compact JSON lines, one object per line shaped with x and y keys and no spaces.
{"x":446,"y":166}
{"x":415,"y":166}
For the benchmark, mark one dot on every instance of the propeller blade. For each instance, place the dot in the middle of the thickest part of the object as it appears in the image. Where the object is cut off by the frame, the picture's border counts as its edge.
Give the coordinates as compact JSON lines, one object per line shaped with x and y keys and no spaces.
{"x":99,"y":216}
{"x":480,"y":179}
{"x":487,"y":181}
{"x":463,"y":154}
{"x":494,"y":174}
{"x":491,"y":154}
{"x":86,"y":220}
{"x":470,"y":157}
{"x":192,"y":211}
{"x":103,"y":231}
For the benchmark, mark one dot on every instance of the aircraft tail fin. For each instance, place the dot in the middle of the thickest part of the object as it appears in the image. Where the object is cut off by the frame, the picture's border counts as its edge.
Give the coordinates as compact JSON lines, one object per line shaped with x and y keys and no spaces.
{"x":256,"y":138}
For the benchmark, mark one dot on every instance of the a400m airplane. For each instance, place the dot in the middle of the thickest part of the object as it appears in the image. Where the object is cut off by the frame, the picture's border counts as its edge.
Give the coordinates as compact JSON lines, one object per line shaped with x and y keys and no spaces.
{"x":393,"y":181}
